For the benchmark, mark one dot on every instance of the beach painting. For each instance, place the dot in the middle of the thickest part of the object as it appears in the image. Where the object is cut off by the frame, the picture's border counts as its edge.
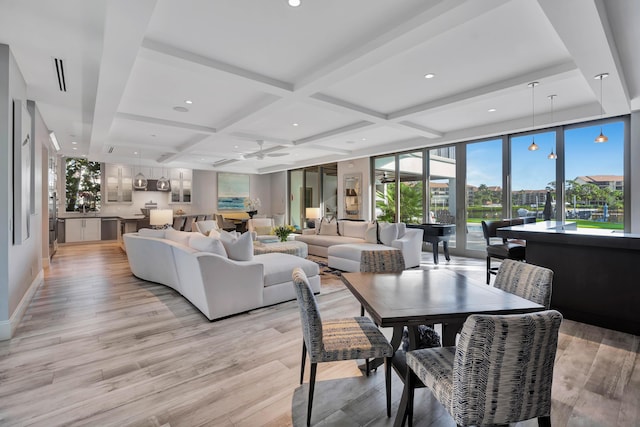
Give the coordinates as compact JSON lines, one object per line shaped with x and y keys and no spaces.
{"x":233,"y":189}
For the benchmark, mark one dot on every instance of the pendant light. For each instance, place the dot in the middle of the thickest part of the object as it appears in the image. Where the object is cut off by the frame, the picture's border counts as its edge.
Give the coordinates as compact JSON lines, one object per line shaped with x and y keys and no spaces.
{"x":533,"y":146}
{"x":602,"y":137}
{"x":139,"y":182}
{"x":552,"y":155}
{"x":163,"y":183}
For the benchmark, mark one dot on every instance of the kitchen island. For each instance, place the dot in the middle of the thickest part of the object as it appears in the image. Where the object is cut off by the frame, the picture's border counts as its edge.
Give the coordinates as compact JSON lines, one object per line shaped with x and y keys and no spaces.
{"x":596,"y":272}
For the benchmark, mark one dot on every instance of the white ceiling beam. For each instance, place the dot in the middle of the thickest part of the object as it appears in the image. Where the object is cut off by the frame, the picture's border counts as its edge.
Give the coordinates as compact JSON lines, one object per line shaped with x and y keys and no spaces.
{"x":332,"y":133}
{"x":168,"y":123}
{"x":185,"y":148}
{"x":125,"y":26}
{"x":584,"y":29}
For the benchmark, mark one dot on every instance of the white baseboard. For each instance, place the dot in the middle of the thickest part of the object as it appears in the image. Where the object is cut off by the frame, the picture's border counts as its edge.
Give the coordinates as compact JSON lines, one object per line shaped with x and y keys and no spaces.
{"x":8,"y":327}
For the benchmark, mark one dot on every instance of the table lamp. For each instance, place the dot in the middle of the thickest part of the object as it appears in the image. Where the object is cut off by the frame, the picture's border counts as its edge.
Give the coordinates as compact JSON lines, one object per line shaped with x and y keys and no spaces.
{"x":160,"y":218}
{"x":312,"y":214}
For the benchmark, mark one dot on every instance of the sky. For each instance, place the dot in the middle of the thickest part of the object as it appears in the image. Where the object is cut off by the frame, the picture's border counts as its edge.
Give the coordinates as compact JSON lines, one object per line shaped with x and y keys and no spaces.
{"x":532,"y":170}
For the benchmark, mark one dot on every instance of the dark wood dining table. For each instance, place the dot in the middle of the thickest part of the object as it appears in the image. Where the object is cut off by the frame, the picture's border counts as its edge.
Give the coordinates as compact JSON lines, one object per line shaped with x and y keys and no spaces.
{"x":419,"y":297}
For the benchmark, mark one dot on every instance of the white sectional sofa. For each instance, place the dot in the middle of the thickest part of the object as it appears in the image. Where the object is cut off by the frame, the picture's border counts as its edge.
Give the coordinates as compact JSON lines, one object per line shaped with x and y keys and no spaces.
{"x":217,"y":285}
{"x":342,"y":242}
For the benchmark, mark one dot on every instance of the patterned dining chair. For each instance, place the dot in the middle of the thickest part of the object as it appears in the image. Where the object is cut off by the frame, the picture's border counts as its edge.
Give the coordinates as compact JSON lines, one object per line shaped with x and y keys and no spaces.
{"x":500,"y":372}
{"x":338,"y":339}
{"x":527,"y":281}
{"x":384,"y":261}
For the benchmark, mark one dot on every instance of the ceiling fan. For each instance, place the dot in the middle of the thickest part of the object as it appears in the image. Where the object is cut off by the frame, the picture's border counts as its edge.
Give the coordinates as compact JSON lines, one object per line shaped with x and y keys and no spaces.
{"x":260,"y":154}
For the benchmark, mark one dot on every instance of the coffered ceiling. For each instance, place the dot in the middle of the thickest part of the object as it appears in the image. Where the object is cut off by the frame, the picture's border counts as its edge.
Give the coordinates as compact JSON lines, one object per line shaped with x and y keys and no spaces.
{"x":328,"y":80}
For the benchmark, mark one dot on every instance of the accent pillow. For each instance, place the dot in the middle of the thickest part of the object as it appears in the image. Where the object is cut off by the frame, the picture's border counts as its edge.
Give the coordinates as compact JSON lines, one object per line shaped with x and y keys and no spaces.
{"x":181,"y":237}
{"x":215,"y":234}
{"x":370,"y":235}
{"x":229,"y":234}
{"x":203,"y":243}
{"x":263,"y":230}
{"x":150,"y":232}
{"x":354,"y":229}
{"x":238,"y":249}
{"x":328,"y":228}
{"x":387,"y":232}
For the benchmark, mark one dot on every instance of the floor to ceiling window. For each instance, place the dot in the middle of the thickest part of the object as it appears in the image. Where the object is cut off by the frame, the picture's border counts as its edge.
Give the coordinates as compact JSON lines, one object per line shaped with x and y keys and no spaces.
{"x":594,"y":176}
{"x":533,"y":175}
{"x":411,"y":188}
{"x":442,"y":187}
{"x":313,"y":194}
{"x":483,"y":189}
{"x":385,"y":188}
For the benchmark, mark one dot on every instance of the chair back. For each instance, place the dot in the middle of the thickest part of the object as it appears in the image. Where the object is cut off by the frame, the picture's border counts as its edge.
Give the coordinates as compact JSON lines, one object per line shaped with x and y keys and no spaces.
{"x":260,"y":224}
{"x":525,"y":280}
{"x":178,"y":223}
{"x":386,"y":261}
{"x":503,"y":368}
{"x":188,"y":223}
{"x":309,"y":314}
{"x":489,"y":228}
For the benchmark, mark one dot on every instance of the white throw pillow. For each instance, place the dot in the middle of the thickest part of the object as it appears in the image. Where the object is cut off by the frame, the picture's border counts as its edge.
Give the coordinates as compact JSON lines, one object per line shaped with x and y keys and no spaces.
{"x":354,"y":229}
{"x":370,"y":235}
{"x":387,"y":232}
{"x":328,"y":228}
{"x":228,"y":234}
{"x":181,"y":237}
{"x":203,"y":243}
{"x":150,"y":232}
{"x":238,"y":249}
{"x":214,"y":234}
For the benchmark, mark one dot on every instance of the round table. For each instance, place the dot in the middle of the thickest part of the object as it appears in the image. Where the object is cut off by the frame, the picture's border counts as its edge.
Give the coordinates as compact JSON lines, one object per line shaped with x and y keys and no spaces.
{"x":292,"y":247}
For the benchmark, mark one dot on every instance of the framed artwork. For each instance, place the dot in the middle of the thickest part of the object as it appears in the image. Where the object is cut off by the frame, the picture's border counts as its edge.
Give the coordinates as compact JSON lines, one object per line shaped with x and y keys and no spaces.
{"x":233,"y":189}
{"x":22,"y":172}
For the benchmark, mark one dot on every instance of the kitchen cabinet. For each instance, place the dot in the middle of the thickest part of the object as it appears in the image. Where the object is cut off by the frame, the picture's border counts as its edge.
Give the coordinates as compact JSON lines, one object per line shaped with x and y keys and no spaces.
{"x":119,"y":180}
{"x":82,"y":229}
{"x":181,"y":185}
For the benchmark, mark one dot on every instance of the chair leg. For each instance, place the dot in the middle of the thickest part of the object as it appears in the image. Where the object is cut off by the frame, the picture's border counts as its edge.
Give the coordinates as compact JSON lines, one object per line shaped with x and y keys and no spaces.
{"x":411,"y":385}
{"x":366,"y":366}
{"x":312,"y":383}
{"x":304,"y":359}
{"x":544,"y":421}
{"x":361,"y":310}
{"x":488,"y":269}
{"x":387,"y":380}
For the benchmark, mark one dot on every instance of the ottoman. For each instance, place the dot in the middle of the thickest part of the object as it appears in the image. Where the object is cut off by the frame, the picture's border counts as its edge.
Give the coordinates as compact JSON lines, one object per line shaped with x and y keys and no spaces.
{"x":347,"y":257}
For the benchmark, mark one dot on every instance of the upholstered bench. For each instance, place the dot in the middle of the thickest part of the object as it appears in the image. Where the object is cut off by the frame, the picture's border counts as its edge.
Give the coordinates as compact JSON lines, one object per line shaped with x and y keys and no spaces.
{"x":347,"y":257}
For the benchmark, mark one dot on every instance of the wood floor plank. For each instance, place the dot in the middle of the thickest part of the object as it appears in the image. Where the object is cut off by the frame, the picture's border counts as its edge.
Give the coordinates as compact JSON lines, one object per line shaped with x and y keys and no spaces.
{"x":97,"y":346}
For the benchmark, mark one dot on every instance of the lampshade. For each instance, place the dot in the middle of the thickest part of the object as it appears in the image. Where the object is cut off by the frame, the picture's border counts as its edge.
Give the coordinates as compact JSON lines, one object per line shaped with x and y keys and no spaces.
{"x":140,"y":182}
{"x":312,"y":213}
{"x":160,"y":218}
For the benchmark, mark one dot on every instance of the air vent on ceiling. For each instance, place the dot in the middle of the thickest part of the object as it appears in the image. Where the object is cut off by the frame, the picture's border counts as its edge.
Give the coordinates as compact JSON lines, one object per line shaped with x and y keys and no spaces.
{"x":110,"y":150}
{"x":59,"y":66}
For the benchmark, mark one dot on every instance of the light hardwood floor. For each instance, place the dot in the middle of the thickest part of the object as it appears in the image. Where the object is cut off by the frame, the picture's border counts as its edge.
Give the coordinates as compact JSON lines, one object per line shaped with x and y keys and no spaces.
{"x":98,"y":347}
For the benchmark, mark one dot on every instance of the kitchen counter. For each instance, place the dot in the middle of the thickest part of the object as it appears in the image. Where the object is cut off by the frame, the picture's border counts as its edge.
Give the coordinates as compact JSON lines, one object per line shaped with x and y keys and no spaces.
{"x":67,"y":215}
{"x":594,"y":271}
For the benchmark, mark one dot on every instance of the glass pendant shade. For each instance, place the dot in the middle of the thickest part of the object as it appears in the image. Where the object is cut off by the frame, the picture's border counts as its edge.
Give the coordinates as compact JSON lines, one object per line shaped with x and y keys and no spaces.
{"x":552,"y":155}
{"x":140,"y":182}
{"x":533,"y":146}
{"x":162,"y":184}
{"x":601,"y":138}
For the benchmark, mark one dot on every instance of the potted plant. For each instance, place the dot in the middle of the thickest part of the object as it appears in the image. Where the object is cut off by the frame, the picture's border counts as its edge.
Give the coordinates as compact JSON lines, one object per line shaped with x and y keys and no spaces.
{"x":283,"y":231}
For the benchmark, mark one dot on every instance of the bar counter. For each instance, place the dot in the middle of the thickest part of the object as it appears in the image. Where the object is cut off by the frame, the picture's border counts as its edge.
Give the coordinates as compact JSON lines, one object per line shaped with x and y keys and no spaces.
{"x":596,"y":272}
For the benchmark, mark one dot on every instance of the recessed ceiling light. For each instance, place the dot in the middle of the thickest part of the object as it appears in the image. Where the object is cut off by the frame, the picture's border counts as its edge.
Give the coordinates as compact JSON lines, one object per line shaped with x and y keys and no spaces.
{"x":491,"y":110}
{"x":135,"y":152}
{"x":364,"y":139}
{"x":429,"y":76}
{"x":74,"y":148}
{"x":83,"y":155}
{"x":235,"y":146}
{"x":181,"y":109}
{"x":295,"y":124}
{"x":74,"y":142}
{"x":294,"y":3}
{"x":188,"y":101}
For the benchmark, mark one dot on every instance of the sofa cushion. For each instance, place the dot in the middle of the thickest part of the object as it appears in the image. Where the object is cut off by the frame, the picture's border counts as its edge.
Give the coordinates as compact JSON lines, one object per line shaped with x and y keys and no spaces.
{"x":240,"y":248}
{"x":370,"y":234}
{"x":215,"y":234}
{"x":278,"y":267}
{"x":402,"y":229}
{"x":387,"y":232}
{"x":150,"y":232}
{"x":353,"y":251}
{"x":319,"y":240}
{"x":207,"y":244}
{"x":354,"y":229}
{"x":263,"y":230}
{"x":328,"y":228}
{"x":181,"y":237}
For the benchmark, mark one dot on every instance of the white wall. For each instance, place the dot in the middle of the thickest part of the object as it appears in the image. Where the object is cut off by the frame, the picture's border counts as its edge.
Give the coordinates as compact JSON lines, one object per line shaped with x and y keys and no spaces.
{"x":20,"y":265}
